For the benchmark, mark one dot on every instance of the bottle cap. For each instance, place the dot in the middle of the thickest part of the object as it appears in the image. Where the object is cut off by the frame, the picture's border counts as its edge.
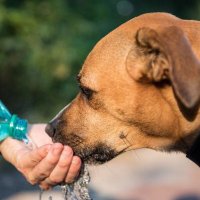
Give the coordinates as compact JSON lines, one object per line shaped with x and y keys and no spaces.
{"x":12,"y":125}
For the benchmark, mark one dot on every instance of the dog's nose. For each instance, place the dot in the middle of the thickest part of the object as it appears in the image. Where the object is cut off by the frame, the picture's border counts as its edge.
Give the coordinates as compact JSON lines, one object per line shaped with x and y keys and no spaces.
{"x":51,"y":128}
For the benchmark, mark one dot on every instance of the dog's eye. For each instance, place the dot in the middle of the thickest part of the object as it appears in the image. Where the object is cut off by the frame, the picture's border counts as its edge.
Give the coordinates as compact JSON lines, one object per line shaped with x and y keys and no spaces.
{"x":86,"y":91}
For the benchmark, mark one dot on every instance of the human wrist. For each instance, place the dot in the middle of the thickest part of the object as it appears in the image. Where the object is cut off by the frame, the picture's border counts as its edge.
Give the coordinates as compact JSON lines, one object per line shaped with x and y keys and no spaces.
{"x":9,"y":148}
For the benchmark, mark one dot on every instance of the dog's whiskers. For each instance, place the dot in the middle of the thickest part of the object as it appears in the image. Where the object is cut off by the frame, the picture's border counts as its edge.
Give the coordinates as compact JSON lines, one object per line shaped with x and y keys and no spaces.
{"x":123,"y":137}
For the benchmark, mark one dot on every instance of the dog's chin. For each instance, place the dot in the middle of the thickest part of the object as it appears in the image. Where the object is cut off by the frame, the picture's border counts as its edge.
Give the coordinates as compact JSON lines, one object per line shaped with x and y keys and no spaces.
{"x":91,"y":154}
{"x":96,"y":155}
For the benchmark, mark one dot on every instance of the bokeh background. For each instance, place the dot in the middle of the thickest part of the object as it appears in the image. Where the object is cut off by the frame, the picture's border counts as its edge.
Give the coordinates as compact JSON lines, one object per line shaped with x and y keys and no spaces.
{"x":42,"y":47}
{"x":44,"y":43}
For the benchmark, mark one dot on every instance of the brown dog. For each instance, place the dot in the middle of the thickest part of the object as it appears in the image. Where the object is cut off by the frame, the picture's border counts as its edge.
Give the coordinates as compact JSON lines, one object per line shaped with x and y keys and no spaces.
{"x":140,"y":87}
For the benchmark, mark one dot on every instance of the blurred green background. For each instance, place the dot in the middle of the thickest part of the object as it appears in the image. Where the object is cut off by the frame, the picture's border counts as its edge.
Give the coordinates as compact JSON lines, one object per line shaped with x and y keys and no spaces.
{"x":44,"y":43}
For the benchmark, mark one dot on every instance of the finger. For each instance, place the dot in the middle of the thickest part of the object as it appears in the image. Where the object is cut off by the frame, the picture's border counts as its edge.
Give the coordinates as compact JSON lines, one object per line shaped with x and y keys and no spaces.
{"x":44,"y":186}
{"x":44,"y":168}
{"x":60,"y":171}
{"x":73,"y":170}
{"x":28,"y":158}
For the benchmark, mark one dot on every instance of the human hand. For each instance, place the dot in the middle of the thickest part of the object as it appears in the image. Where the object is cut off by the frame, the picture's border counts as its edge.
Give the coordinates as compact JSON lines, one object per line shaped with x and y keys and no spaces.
{"x":67,"y":167}
{"x":47,"y":165}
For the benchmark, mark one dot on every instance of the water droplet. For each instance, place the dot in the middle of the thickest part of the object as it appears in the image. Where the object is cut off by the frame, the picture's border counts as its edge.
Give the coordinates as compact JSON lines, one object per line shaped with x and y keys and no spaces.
{"x":29,"y":142}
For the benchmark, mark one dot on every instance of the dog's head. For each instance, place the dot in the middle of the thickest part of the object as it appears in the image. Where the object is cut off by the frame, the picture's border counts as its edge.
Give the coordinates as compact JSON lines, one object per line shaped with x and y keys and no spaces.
{"x":136,"y":88}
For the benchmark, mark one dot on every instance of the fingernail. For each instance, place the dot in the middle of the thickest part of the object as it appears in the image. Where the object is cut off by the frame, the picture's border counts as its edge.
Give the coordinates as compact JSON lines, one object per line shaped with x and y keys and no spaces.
{"x":67,"y":151}
{"x":75,"y":161}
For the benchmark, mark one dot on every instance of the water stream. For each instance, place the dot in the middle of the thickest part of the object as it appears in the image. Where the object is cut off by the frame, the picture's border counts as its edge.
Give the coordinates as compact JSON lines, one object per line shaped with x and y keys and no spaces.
{"x":75,"y":191}
{"x":79,"y":189}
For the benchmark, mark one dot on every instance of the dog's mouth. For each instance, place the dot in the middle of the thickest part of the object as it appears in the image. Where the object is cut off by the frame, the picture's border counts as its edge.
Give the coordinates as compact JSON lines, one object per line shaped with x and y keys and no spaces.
{"x":92,"y":154}
{"x":98,"y":154}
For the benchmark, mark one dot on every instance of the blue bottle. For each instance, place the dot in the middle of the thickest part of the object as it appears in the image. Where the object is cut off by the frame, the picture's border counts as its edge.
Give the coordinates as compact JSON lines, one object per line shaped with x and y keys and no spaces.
{"x":12,"y":125}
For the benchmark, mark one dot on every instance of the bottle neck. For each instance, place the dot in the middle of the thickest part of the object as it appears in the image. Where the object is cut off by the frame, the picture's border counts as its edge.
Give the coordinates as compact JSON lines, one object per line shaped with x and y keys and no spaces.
{"x":12,"y":125}
{"x":18,"y":128}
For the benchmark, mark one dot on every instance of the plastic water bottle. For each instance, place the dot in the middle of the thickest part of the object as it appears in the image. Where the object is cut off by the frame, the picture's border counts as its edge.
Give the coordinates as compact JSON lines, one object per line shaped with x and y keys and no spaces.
{"x":11,"y":125}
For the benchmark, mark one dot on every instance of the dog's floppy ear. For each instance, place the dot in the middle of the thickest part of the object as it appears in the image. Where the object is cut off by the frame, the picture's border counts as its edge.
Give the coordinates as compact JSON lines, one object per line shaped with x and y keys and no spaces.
{"x":166,"y":55}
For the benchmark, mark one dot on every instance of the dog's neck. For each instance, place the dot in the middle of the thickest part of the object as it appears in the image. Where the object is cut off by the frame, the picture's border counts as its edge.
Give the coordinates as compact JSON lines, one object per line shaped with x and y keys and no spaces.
{"x":187,"y":127}
{"x":193,"y":152}
{"x":190,"y":145}
{"x":190,"y":127}
{"x":184,"y":144}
